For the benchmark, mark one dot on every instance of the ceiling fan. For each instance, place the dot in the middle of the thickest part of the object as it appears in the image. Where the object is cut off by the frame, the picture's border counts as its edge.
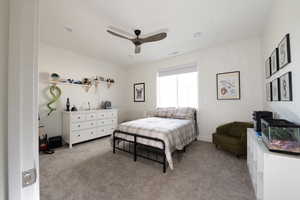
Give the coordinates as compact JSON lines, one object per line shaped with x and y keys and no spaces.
{"x":136,"y":39}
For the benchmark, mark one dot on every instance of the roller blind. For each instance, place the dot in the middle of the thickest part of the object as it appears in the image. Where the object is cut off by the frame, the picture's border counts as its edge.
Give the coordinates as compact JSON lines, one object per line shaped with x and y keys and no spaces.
{"x":182,"y":69}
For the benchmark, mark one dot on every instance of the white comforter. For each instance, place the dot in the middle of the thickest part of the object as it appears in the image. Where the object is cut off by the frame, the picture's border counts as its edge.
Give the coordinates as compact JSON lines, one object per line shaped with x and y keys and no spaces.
{"x":176,"y":133}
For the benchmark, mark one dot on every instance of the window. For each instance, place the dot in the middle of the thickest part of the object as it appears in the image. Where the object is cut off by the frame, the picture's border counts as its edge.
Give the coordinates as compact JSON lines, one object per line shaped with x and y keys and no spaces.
{"x":178,"y":87}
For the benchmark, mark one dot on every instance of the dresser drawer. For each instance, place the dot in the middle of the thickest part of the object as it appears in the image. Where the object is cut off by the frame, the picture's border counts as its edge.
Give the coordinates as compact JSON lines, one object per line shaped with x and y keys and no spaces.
{"x":105,"y":122}
{"x":91,"y":116}
{"x":81,"y":136}
{"x":77,"y":117}
{"x":108,"y":114}
{"x":111,"y":114}
{"x":83,"y":125}
{"x":105,"y":130}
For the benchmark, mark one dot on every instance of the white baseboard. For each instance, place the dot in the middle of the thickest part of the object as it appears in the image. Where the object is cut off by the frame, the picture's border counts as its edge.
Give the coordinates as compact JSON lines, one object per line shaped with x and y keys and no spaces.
{"x":205,"y":138}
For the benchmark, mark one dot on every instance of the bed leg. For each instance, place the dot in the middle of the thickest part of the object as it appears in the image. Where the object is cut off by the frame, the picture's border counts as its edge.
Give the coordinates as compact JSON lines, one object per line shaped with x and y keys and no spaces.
{"x":134,"y":150}
{"x":164,"y":164}
{"x":114,"y":143}
{"x":184,"y":149}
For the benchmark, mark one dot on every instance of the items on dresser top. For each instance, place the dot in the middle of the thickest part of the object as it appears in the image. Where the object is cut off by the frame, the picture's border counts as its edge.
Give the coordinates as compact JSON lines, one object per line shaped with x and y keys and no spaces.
{"x":257,"y":116}
{"x":82,"y":126}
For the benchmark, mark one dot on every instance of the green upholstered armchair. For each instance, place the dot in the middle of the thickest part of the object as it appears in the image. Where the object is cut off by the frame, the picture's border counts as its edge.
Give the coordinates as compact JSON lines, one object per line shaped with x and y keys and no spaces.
{"x":232,"y":137}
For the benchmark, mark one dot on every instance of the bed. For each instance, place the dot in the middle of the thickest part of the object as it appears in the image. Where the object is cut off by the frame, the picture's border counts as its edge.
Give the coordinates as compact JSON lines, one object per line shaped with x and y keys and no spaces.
{"x":157,"y":136}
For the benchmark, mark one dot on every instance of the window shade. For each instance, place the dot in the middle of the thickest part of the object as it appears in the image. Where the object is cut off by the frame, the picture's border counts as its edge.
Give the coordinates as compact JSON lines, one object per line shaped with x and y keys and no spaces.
{"x":182,"y":69}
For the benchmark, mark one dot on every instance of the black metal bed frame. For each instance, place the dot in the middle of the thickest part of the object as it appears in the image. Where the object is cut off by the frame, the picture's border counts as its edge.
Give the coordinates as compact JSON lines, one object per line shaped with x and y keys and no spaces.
{"x":148,"y":152}
{"x":131,"y":147}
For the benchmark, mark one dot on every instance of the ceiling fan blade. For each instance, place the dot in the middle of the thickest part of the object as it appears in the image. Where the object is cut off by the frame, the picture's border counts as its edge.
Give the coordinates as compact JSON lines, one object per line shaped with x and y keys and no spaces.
{"x":137,"y":49}
{"x":122,"y":32}
{"x":118,"y":35}
{"x":154,"y":38}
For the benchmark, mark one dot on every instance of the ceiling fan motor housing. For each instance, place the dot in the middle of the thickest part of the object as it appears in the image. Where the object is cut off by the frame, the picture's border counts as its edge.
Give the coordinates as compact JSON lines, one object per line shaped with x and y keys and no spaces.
{"x":137,"y":32}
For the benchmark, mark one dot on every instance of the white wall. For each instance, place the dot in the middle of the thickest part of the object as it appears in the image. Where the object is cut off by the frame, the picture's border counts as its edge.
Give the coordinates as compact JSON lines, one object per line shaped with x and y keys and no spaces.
{"x":71,"y":65}
{"x":4,"y":20}
{"x":283,"y":19}
{"x":244,"y":56}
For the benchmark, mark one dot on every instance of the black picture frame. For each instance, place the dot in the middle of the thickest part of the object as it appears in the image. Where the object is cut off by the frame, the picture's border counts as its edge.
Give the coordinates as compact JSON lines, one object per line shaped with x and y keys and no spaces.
{"x":268,"y":68}
{"x":276,"y":90}
{"x":219,"y":76}
{"x":269,"y":91}
{"x":286,"y":87}
{"x":284,"y":51}
{"x":274,"y":61}
{"x":136,"y":96}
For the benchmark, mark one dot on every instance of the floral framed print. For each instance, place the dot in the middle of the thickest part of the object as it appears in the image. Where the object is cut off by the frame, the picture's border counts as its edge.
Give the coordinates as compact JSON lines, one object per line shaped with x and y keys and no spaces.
{"x":268,"y":67}
{"x":284,"y":51}
{"x":139,"y":92}
{"x":269,"y":91}
{"x":286,"y":90}
{"x":274,"y":61}
{"x":228,"y":86}
{"x":276,"y":90}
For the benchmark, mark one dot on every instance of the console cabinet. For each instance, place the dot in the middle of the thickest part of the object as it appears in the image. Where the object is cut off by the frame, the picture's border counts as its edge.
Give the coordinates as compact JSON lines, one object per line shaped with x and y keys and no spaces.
{"x":82,"y":126}
{"x":274,"y":176}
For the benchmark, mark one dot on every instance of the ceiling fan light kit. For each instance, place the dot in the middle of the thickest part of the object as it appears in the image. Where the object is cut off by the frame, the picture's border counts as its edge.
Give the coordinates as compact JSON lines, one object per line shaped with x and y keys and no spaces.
{"x":137,"y":41}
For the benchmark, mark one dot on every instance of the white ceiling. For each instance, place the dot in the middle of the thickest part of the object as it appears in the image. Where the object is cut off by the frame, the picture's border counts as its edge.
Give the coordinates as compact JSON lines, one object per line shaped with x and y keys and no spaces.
{"x":219,"y":21}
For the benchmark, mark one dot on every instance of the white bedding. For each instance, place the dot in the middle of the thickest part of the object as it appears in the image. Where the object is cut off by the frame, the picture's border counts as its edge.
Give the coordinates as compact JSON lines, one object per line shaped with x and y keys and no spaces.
{"x":176,"y":133}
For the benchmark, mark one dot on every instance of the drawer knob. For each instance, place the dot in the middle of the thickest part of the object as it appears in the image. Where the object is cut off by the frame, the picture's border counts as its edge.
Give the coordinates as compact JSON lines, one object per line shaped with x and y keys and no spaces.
{"x":92,"y":132}
{"x":92,"y":116}
{"x":92,"y":123}
{"x":78,"y":125}
{"x":78,"y":117}
{"x":78,"y":135}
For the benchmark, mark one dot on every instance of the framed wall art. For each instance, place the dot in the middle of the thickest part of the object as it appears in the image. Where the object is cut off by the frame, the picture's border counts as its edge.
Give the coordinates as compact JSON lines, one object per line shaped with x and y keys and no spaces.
{"x":284,"y":51}
{"x":276,"y":90}
{"x":139,"y":92}
{"x":274,"y":61}
{"x":269,"y":91}
{"x":268,"y":67}
{"x":286,"y":90}
{"x":228,"y":86}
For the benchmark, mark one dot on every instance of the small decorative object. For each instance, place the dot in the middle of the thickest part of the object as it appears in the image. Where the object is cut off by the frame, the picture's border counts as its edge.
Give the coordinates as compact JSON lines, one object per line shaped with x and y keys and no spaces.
{"x":284,"y":51}
{"x":77,"y":82}
{"x":55,"y":77}
{"x":55,"y":93}
{"x":228,"y":86}
{"x":139,"y":92}
{"x":269,"y":91}
{"x":106,"y":105}
{"x":101,"y":78}
{"x":70,"y":80}
{"x":268,"y":67}
{"x":110,"y":82}
{"x":275,"y":90}
{"x":274,"y":61}
{"x":68,"y":105}
{"x":74,"y":109}
{"x":286,"y":91}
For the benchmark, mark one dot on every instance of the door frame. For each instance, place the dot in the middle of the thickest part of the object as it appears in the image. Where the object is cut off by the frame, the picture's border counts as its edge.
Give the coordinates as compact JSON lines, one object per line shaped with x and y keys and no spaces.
{"x":23,"y":97}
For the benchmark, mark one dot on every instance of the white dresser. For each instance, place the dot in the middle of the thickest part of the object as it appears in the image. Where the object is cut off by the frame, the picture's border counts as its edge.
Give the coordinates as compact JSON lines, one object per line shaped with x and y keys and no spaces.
{"x":274,"y":176}
{"x":82,"y":126}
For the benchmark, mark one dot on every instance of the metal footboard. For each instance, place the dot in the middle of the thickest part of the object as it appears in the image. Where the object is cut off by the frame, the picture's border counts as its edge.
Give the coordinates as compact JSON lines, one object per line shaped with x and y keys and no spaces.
{"x":140,"y":150}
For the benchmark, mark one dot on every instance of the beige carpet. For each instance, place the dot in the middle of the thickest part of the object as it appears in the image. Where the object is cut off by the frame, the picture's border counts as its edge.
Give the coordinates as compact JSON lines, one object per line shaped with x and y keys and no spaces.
{"x":90,"y":171}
